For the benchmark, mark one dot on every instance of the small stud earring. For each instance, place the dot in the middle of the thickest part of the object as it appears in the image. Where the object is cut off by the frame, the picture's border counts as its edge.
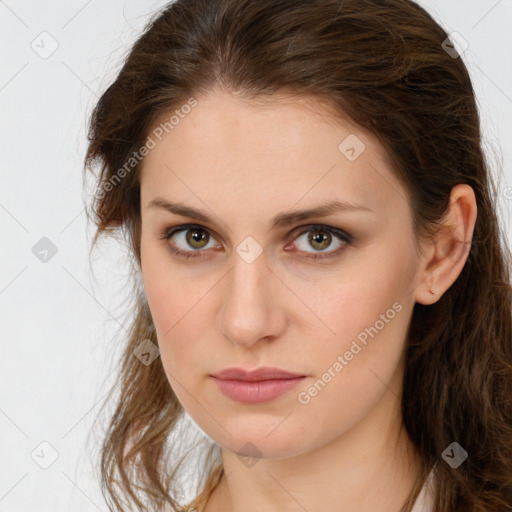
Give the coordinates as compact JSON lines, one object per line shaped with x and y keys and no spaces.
{"x":432,"y":291}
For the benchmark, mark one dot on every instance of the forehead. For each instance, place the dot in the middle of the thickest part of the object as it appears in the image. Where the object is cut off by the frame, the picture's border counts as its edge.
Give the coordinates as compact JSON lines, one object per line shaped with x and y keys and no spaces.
{"x":274,"y":148}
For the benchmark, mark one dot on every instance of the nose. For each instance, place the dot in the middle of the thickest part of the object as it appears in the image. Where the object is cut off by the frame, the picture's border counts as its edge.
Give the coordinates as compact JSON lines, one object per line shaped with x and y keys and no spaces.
{"x":251,"y":310}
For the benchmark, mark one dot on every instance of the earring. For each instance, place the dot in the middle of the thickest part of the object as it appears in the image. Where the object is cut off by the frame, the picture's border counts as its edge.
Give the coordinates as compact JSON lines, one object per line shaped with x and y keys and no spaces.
{"x":432,"y":291}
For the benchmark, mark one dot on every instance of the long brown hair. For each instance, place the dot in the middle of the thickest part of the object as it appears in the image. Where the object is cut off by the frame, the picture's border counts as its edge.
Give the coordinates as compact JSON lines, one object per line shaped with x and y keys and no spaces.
{"x":385,"y":64}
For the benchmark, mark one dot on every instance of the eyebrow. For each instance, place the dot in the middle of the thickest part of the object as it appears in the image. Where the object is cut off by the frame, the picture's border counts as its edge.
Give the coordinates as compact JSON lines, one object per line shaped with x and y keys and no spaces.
{"x":280,"y":220}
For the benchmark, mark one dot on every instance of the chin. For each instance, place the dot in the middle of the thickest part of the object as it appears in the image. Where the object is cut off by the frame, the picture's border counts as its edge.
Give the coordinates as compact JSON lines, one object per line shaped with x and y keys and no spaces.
{"x":256,"y":439}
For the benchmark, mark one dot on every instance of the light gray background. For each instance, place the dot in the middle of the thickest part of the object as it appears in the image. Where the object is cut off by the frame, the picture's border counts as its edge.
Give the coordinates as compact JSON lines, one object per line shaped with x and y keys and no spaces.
{"x":58,"y":320}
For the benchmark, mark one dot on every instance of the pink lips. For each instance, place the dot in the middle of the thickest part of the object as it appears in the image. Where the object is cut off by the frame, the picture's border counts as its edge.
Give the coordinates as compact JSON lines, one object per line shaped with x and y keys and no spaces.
{"x":257,"y":386}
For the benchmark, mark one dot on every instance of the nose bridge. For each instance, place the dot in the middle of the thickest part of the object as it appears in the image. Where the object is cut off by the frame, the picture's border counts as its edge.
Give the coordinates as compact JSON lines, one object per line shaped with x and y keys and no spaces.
{"x":250,"y":270}
{"x":248,"y":313}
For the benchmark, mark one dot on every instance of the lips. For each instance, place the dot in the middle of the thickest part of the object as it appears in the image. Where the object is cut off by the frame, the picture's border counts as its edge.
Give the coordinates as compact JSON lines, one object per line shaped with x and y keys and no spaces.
{"x":256,"y":386}
{"x":265,"y":373}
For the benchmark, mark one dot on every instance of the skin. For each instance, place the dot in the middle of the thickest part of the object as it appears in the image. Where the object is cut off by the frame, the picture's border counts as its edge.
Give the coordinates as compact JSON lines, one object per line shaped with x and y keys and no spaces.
{"x":243,"y":163}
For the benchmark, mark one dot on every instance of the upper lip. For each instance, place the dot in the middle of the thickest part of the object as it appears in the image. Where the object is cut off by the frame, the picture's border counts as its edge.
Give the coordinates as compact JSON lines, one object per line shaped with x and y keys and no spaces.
{"x":264,"y":373}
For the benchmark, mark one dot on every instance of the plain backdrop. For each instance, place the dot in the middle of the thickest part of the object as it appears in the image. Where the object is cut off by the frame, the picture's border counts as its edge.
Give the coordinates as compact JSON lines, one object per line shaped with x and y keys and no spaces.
{"x":57,"y":318}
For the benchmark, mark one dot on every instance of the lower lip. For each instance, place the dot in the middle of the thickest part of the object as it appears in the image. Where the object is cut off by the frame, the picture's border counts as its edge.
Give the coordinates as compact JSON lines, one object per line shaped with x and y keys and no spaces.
{"x":256,"y":392}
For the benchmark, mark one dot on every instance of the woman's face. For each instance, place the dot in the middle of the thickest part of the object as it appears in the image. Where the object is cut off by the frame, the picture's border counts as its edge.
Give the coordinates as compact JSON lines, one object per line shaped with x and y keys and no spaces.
{"x":248,"y":291}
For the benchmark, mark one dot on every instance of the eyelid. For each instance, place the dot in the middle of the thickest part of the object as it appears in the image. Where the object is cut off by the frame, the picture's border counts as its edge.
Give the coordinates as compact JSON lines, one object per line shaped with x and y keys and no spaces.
{"x":323,"y":227}
{"x":337,"y":232}
{"x":169,"y":232}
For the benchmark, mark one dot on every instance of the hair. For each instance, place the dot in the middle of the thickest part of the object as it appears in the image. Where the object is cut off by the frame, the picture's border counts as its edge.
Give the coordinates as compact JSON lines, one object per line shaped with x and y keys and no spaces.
{"x":381,"y":64}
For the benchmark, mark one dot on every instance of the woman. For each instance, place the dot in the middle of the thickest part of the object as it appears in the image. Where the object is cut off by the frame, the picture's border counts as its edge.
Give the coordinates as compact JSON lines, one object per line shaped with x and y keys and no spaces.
{"x":317,"y":258}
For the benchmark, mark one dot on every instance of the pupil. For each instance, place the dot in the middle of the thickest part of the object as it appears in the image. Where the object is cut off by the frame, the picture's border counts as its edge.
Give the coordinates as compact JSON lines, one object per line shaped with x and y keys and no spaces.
{"x":196,"y":237}
{"x":320,"y":238}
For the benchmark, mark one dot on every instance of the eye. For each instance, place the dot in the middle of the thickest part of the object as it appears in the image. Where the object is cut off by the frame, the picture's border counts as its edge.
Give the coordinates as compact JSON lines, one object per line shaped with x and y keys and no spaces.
{"x":190,"y":241}
{"x":186,"y":237}
{"x":321,"y":237}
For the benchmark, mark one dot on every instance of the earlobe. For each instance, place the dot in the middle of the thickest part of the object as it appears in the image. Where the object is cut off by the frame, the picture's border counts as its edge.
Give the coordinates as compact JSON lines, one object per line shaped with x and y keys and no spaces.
{"x":427,"y":292}
{"x":451,"y":246}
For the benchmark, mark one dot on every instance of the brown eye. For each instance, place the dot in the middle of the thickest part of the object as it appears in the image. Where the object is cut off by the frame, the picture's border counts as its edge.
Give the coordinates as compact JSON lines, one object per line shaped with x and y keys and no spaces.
{"x":197,"y":238}
{"x":319,"y":239}
{"x":190,"y":241}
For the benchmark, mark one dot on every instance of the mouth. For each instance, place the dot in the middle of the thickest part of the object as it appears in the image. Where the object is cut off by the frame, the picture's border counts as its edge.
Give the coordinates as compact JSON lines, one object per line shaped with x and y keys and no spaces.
{"x":257,"y":386}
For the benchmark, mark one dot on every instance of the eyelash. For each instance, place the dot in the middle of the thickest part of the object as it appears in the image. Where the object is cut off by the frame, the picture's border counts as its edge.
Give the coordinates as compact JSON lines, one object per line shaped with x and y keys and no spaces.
{"x":341,"y":235}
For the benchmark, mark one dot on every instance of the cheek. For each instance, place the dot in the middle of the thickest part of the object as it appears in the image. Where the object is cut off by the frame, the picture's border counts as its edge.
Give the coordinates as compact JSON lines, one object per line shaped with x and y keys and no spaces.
{"x":341,"y":306}
{"x":166,"y":294}
{"x":366,"y":330}
{"x":177,"y":331}
{"x":362,"y":317}
{"x":164,"y":285}
{"x":355,"y":368}
{"x":180,"y":309}
{"x":175,"y":318}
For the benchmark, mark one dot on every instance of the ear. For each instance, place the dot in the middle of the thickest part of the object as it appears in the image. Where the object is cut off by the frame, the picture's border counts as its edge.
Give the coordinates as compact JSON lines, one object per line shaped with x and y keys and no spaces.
{"x":444,"y":257}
